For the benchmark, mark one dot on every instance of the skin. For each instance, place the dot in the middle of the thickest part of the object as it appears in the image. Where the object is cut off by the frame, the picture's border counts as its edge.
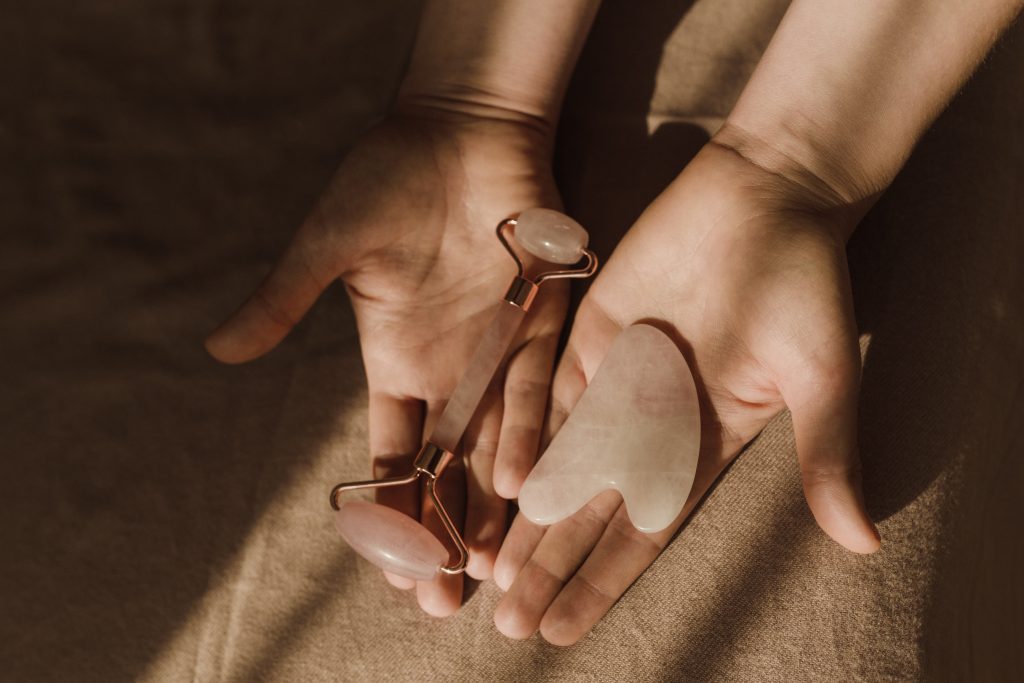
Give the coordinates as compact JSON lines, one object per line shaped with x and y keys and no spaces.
{"x":400,"y":226}
{"x":741,"y":260}
{"x":407,"y":224}
{"x":776,"y":329}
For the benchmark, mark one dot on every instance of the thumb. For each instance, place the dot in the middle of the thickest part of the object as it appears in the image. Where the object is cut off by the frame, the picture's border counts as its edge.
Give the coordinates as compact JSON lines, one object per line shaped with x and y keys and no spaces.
{"x":822,"y":398}
{"x":276,"y":306}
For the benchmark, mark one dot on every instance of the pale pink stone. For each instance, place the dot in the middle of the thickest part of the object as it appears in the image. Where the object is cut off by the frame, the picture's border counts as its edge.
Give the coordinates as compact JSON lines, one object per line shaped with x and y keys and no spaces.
{"x":478,"y":374}
{"x":551,"y":235}
{"x":391,"y":540}
{"x":636,"y":429}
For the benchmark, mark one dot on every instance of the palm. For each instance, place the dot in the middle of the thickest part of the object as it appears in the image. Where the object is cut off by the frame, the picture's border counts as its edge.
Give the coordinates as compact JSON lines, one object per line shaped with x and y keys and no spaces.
{"x":736,"y":312}
{"x":755,"y":293}
{"x":407,"y":224}
{"x":417,"y":210}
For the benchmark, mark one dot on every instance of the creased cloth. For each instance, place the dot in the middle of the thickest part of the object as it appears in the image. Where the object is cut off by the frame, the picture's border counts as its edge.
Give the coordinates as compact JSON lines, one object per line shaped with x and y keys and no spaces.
{"x":165,"y":518}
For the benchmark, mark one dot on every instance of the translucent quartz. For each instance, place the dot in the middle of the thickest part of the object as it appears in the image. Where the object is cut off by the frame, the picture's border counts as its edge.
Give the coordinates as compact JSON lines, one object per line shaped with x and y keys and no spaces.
{"x":551,"y":235}
{"x":478,"y":374}
{"x":390,"y":540}
{"x":636,"y":429}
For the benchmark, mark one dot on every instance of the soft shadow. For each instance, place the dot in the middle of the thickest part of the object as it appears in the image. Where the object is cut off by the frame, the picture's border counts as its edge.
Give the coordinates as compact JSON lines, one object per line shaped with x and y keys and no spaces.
{"x":608,"y":167}
{"x":936,"y":272}
{"x":925,"y":268}
{"x":161,"y":156}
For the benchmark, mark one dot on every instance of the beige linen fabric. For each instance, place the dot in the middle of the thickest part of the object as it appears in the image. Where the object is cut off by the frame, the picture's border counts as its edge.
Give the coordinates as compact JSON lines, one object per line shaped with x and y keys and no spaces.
{"x":165,"y":518}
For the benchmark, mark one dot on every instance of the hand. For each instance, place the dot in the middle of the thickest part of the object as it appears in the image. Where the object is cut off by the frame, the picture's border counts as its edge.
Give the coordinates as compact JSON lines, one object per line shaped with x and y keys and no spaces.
{"x":746,"y":270}
{"x":408,"y":224}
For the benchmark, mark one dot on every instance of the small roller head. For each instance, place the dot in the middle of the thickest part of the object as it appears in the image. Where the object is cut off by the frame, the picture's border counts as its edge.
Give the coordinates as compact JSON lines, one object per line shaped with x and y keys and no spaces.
{"x":551,"y":236}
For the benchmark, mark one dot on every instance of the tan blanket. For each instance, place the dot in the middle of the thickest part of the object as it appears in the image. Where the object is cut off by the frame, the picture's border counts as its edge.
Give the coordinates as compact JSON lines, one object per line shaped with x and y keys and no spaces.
{"x":165,"y":519}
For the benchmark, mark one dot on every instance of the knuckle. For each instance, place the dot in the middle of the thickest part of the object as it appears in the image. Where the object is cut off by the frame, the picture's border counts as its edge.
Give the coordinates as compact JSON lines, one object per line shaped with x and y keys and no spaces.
{"x":589,"y":586}
{"x":644,"y":543}
{"x":525,"y":390}
{"x":590,"y":516}
{"x":483,"y":448}
{"x":817,"y":473}
{"x":546,"y":574}
{"x":519,"y":437}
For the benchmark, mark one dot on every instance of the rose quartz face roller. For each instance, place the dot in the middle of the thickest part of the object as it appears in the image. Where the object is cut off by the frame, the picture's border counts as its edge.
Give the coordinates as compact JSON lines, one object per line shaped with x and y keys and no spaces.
{"x":394,"y":541}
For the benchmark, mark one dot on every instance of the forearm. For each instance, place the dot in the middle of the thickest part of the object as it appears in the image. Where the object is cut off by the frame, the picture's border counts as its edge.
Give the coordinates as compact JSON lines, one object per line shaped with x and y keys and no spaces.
{"x":845,"y":89}
{"x":499,"y":57}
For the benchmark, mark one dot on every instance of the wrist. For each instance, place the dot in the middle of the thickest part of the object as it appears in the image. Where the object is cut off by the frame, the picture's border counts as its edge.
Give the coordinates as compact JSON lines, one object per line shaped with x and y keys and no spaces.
{"x":477,"y":127}
{"x":507,"y":60}
{"x":802,"y":170}
{"x":461,"y":103}
{"x":755,"y":175}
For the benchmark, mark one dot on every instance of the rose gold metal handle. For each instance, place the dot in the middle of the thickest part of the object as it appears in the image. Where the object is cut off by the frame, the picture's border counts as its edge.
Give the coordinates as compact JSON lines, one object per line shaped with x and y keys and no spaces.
{"x":430,"y":463}
{"x":523,"y":289}
{"x":433,"y":457}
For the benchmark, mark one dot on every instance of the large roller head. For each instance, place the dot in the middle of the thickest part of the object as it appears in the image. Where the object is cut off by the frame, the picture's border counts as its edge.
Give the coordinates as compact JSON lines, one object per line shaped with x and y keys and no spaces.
{"x":391,"y":540}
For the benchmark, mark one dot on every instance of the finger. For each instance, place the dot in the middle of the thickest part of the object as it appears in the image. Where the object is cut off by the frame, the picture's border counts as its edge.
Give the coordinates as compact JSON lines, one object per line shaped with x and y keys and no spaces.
{"x":520,"y":542}
{"x":527,"y":381}
{"x":567,"y":386}
{"x":560,"y":552}
{"x":592,"y":335}
{"x":395,"y":425}
{"x":442,"y":595}
{"x":277,"y":305}
{"x":822,"y":399}
{"x":486,"y":511}
{"x":620,"y":555}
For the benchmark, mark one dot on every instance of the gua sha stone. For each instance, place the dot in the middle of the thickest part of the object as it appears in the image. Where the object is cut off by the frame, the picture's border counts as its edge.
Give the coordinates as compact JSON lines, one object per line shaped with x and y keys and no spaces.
{"x":391,"y":540}
{"x":551,"y":235}
{"x":636,"y":429}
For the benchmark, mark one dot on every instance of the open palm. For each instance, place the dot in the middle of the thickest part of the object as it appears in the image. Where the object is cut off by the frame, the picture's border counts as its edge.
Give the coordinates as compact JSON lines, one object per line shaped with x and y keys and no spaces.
{"x":408,"y":223}
{"x":746,"y":271}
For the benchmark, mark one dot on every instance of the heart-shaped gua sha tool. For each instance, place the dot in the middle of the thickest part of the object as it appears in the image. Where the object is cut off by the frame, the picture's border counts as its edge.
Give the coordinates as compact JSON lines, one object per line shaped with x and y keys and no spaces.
{"x":394,"y":541}
{"x":636,"y":429}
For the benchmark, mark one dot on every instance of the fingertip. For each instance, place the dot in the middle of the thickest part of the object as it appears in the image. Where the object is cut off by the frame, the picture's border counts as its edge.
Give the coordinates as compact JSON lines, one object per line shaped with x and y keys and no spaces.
{"x":506,"y":566}
{"x":839,"y":510}
{"x":512,"y":622}
{"x":868,"y":547}
{"x":866,"y":542}
{"x":400,"y":582}
{"x":273,"y":308}
{"x":242,"y":338}
{"x":480,"y":565}
{"x":559,"y":631}
{"x":439,"y":609}
{"x":520,"y":542}
{"x":861,"y":542}
{"x":438,"y":599}
{"x":508,"y":480}
{"x":219,"y":346}
{"x":503,"y":573}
